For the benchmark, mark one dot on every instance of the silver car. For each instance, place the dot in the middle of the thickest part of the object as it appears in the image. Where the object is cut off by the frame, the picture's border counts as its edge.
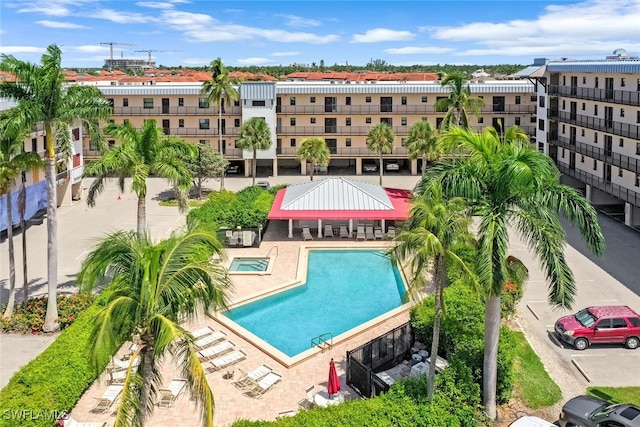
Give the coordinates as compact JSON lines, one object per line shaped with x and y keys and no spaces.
{"x":590,"y":411}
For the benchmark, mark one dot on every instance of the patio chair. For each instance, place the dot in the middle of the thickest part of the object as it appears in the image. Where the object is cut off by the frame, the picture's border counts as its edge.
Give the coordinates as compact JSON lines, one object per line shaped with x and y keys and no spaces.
{"x":391,"y":233}
{"x":122,"y":365}
{"x":215,"y":351}
{"x":360,"y":233}
{"x":108,"y":398}
{"x":68,"y":421}
{"x":234,"y":240}
{"x":169,"y":395}
{"x":377,"y":233}
{"x":328,"y":230}
{"x":247,"y":378}
{"x":209,"y":340}
{"x":306,"y":234}
{"x":202,"y":332}
{"x":117,"y":377}
{"x":308,"y":402}
{"x":227,"y":360}
{"x":260,"y":388}
{"x":369,"y":232}
{"x":344,"y":232}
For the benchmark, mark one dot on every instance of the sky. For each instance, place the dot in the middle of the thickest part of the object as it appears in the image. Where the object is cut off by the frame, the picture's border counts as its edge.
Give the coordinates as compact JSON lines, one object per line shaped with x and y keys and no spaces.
{"x":243,"y":33}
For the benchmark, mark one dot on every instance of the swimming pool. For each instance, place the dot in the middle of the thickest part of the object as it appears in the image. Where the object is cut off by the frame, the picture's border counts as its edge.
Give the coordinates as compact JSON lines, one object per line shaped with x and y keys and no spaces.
{"x":249,"y":264}
{"x":344,"y":289}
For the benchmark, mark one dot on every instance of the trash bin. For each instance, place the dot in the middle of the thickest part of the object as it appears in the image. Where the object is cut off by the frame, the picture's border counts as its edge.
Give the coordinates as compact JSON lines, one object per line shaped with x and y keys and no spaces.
{"x":424,"y":354}
{"x":416,"y":358}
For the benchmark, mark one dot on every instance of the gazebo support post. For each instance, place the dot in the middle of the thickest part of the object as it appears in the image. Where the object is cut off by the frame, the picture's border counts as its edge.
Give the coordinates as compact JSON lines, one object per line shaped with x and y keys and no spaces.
{"x":290,"y":228}
{"x":319,"y":228}
{"x":382,"y":225}
{"x":350,"y":228}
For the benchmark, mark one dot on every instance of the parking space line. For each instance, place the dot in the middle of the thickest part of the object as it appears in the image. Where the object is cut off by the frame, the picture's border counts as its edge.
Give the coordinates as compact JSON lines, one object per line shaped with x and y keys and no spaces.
{"x":579,"y":368}
{"x":533,"y":312}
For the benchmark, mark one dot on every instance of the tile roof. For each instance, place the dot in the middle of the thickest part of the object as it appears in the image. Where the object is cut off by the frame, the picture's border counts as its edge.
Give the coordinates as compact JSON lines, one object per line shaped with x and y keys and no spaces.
{"x":366,"y":76}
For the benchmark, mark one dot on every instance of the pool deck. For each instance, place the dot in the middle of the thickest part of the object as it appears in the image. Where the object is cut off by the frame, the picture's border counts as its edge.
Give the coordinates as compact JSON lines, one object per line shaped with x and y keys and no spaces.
{"x":231,"y":403}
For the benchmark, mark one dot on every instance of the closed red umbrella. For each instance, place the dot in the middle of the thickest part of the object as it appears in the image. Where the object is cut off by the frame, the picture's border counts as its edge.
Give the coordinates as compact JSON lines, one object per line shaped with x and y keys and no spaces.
{"x":333,"y":386}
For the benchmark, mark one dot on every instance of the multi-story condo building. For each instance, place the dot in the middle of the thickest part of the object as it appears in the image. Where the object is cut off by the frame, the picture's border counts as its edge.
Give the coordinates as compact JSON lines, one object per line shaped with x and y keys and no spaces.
{"x":589,"y":123}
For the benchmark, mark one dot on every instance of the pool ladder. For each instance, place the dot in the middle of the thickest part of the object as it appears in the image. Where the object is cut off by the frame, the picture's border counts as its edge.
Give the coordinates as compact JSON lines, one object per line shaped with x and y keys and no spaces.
{"x":271,"y":250}
{"x":324,"y":341}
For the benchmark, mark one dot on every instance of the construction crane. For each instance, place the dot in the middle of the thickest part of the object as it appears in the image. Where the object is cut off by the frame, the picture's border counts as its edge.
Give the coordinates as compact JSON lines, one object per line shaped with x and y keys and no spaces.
{"x":152,"y":50}
{"x":111,"y":47}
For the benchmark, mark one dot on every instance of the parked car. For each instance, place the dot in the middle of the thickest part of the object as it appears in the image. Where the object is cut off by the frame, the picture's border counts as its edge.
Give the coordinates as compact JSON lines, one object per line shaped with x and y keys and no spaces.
{"x":369,"y":167}
{"x":600,"y":325}
{"x":530,"y":421}
{"x":233,"y":169}
{"x":590,"y":411}
{"x":392,"y":165}
{"x":263,"y":184}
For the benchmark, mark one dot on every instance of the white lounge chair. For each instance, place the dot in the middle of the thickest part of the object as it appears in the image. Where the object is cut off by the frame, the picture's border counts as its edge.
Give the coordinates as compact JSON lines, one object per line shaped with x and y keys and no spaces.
{"x":306,"y":234}
{"x":227,"y":360}
{"x":209,"y":340}
{"x":169,"y":395}
{"x":247,"y":378}
{"x":285,"y":414}
{"x":264,"y":385}
{"x":216,"y":351}
{"x":328,"y":230}
{"x":70,"y":422}
{"x":123,"y":365}
{"x":391,"y":233}
{"x":108,"y":398}
{"x":360,"y":233}
{"x":377,"y":233}
{"x":308,"y":402}
{"x":344,"y":232}
{"x":202,"y":332}
{"x":369,"y":232}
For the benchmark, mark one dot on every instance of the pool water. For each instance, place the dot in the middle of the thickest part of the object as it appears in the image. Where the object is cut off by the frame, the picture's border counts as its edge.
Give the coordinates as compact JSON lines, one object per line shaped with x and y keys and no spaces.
{"x":344,"y":289}
{"x":249,"y":264}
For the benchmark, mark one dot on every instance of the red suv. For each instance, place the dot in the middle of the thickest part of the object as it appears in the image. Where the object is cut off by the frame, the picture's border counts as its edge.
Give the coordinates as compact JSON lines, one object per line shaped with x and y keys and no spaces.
{"x":605,"y":324}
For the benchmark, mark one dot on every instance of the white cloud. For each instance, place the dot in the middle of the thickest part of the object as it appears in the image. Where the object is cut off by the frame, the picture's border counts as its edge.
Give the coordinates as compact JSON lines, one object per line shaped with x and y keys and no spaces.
{"x":57,"y":24}
{"x":298,"y":21}
{"x":88,"y":48}
{"x":122,"y":17}
{"x":52,"y":7}
{"x":285,"y":53}
{"x":155,"y":5}
{"x":196,"y":61}
{"x":377,"y":35}
{"x":10,"y":50}
{"x":254,"y":61}
{"x":415,"y":50}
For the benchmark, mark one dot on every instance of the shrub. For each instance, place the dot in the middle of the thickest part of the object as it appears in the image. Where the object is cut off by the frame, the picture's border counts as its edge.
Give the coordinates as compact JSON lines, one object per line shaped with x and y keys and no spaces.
{"x":29,"y":317}
{"x":511,"y":296}
{"x":55,"y":380}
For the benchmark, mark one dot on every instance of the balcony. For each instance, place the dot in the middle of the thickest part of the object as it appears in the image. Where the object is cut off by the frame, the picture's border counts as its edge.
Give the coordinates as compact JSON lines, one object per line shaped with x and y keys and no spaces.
{"x":373,"y":109}
{"x":175,"y":111}
{"x":197,"y":132}
{"x":609,"y":157}
{"x":609,"y":126}
{"x":623,"y":97}
{"x":347,"y":152}
{"x":333,"y":130}
{"x":615,"y":190}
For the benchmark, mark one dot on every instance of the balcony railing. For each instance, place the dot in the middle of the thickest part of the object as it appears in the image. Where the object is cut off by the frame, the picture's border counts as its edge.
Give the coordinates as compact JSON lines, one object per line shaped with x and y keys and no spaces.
{"x":615,"y":159}
{"x":191,"y":132}
{"x":624,"y":97}
{"x":394,"y":109}
{"x":334,"y":130}
{"x":348,"y":152}
{"x":615,"y":190}
{"x":175,"y":111}
{"x":604,"y":125}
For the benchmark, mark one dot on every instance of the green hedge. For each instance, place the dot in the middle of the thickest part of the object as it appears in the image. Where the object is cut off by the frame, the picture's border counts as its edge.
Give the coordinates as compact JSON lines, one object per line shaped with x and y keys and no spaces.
{"x":55,"y":380}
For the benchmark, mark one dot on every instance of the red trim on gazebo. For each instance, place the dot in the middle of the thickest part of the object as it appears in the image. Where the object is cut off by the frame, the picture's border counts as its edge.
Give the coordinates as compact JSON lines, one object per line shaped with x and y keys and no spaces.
{"x":400,"y":199}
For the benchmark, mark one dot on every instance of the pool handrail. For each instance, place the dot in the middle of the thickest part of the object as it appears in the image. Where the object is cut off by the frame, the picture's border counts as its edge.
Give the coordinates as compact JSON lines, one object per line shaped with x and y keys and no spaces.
{"x":321,"y":341}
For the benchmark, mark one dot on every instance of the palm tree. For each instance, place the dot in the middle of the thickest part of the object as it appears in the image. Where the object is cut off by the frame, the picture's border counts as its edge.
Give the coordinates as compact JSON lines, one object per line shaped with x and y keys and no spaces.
{"x":153,"y":286}
{"x":458,"y":102}
{"x":14,"y":161}
{"x":422,"y":142}
{"x":254,"y":135}
{"x":43,"y":97}
{"x":139,"y":154}
{"x":508,"y":182}
{"x":218,"y":89}
{"x":380,"y":139}
{"x":315,"y":151}
{"x":425,"y":244}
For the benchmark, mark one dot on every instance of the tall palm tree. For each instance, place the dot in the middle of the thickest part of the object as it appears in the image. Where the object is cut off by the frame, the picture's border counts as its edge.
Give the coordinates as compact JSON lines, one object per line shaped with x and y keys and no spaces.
{"x":14,"y":161}
{"x":141,"y":153}
{"x":315,"y":151}
{"x":508,"y":182}
{"x":43,"y":97}
{"x":219,"y":88}
{"x":380,"y":139}
{"x":423,"y":142}
{"x":459,"y":101}
{"x":154,"y":285}
{"x":425,"y":244}
{"x":254,"y":135}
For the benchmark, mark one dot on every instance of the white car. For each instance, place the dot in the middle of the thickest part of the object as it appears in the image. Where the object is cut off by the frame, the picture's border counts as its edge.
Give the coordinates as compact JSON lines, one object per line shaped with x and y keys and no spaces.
{"x":369,"y":167}
{"x":392,"y":166}
{"x":529,"y":421}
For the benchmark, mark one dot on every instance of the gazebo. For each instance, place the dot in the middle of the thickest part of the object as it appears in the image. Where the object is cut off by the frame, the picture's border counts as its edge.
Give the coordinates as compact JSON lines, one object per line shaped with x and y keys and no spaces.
{"x":339,"y":199}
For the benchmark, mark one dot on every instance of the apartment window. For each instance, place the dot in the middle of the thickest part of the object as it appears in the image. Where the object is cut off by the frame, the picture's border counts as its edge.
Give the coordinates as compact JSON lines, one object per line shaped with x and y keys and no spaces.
{"x":347,"y":100}
{"x":110,"y":100}
{"x":518,"y":100}
{"x":180,"y":102}
{"x":637,"y":148}
{"x":621,"y":142}
{"x":367,"y":120}
{"x":125,"y":122}
{"x":180,"y":123}
{"x":93,"y":145}
{"x":638,"y":85}
{"x":312,"y":100}
{"x":584,"y":80}
{"x":236,"y":123}
{"x":147,"y":103}
{"x":403,"y":141}
{"x":347,"y":121}
{"x":236,"y":103}
{"x":112,"y":121}
{"x":564,"y":105}
{"x":424,"y":99}
{"x":581,"y":158}
{"x":564,"y":129}
{"x":312,"y":120}
{"x":403,"y":121}
{"x":622,"y":112}
{"x":595,"y":110}
{"x":292,"y":121}
{"x":292,"y":101}
{"x":564,"y":80}
{"x":348,"y":142}
{"x":541,"y":102}
{"x":562,"y":153}
{"x":425,"y":119}
{"x":125,"y":102}
{"x":203,"y":103}
{"x":532,"y":119}
{"x":584,"y":106}
{"x":595,"y":164}
{"x":204,"y":142}
{"x":595,"y":137}
{"x":367,"y":99}
{"x":534,"y":98}
{"x":293,"y":142}
{"x":34,"y":145}
{"x":403,"y":100}
{"x":111,"y":142}
{"x":517,"y":121}
{"x":260,"y":103}
{"x":582,"y":132}
{"x":541,"y":124}
{"x":638,"y":180}
{"x":480,"y":119}
{"x":623,"y":82}
{"x":620,"y":172}
{"x":204,"y":123}
{"x":596,"y":83}
{"x":638,"y":117}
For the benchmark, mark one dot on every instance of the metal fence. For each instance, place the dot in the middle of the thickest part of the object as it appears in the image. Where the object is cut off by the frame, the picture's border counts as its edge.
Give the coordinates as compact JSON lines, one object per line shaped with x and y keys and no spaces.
{"x":378,"y":354}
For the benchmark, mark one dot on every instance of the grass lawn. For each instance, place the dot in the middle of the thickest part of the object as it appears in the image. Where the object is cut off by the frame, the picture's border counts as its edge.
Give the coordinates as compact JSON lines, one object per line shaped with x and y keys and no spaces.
{"x":531,"y":381}
{"x":173,"y":202}
{"x":617,"y":394}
